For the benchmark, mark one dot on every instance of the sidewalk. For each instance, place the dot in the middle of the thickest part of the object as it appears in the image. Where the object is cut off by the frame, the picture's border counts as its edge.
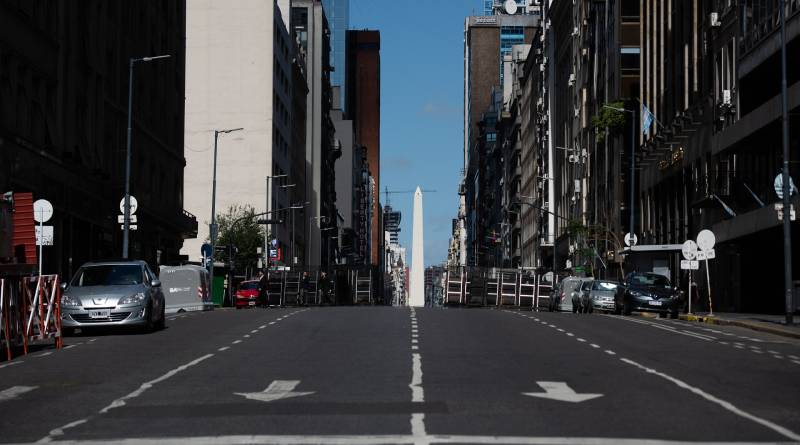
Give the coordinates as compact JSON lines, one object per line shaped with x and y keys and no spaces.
{"x":773,"y":324}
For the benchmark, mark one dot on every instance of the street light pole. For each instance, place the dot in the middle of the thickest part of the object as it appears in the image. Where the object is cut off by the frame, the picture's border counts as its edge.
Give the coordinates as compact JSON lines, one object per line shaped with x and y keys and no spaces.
{"x":267,"y":208}
{"x":787,"y":186}
{"x":127,"y":211}
{"x":213,"y":226}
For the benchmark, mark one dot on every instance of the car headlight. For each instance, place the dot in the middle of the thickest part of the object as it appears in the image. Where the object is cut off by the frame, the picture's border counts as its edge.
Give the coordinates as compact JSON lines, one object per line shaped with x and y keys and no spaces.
{"x":133,"y":299}
{"x":66,"y":300}
{"x":638,"y":294}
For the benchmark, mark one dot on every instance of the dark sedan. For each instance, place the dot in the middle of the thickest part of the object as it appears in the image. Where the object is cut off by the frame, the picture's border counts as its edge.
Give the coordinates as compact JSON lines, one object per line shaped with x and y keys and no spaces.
{"x":648,"y":292}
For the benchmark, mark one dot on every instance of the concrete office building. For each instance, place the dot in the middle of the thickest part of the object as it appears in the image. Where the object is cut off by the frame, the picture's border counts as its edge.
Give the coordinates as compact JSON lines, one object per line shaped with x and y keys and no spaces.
{"x":310,"y":27}
{"x":487,"y":40}
{"x":63,"y":118}
{"x":239,"y":58}
{"x":364,"y":107}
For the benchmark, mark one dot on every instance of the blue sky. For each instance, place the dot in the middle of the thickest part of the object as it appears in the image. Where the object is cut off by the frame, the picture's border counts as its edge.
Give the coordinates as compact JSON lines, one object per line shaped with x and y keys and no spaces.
{"x":422,"y":78}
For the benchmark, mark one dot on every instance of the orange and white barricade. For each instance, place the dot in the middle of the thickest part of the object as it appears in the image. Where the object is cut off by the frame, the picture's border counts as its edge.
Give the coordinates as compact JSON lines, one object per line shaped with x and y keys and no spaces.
{"x":41,"y":310}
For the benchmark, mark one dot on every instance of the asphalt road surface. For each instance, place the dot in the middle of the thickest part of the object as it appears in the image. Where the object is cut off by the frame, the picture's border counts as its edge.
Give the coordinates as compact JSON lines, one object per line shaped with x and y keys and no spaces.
{"x":357,"y":375}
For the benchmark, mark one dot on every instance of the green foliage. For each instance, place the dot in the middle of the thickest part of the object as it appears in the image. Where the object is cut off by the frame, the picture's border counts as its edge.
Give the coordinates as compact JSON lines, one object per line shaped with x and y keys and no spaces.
{"x":607,"y":118}
{"x":239,"y":227}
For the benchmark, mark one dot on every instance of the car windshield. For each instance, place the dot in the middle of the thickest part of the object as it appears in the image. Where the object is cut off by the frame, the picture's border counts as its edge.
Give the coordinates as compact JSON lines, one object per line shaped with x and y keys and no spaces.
{"x":109,"y":275}
{"x":250,"y":285}
{"x":604,"y":285}
{"x":649,"y":280}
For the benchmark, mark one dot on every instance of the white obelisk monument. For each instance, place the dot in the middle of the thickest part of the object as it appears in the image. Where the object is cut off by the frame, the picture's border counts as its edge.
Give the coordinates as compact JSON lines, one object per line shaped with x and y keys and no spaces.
{"x":417,"y":294}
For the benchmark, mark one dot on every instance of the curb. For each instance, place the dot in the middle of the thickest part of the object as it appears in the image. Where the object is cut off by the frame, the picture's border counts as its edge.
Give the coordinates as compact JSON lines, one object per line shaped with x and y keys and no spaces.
{"x":744,"y":324}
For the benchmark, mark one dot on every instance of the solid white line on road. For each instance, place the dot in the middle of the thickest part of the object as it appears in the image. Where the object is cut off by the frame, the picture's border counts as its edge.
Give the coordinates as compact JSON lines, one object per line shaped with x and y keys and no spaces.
{"x":417,"y":393}
{"x":224,"y":348}
{"x":667,"y":328}
{"x":11,"y":363}
{"x":60,"y":431}
{"x":724,"y":404}
{"x":147,"y":385}
{"x":43,"y":354}
{"x":14,"y":392}
{"x":72,"y":346}
{"x":389,"y":440}
{"x":236,"y":342}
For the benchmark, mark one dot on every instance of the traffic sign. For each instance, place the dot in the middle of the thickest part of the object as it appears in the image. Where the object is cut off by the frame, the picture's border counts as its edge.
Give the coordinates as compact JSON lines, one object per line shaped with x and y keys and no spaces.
{"x":121,"y":219}
{"x":44,"y":235}
{"x":631,"y":239}
{"x":42,"y":210}
{"x":689,"y":250}
{"x":702,"y":255}
{"x":710,"y":254}
{"x":779,"y":186}
{"x":134,"y":205}
{"x":690,"y":264}
{"x":706,"y":239}
{"x":130,"y":226}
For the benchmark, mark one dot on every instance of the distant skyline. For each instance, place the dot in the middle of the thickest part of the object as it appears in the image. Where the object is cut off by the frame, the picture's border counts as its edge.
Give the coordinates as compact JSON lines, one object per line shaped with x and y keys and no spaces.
{"x":421,"y":108}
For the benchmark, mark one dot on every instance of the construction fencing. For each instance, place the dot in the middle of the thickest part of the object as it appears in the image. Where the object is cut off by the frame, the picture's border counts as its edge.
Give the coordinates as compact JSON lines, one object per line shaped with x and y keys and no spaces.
{"x":30,"y":312}
{"x":339,"y":286}
{"x":477,"y":286}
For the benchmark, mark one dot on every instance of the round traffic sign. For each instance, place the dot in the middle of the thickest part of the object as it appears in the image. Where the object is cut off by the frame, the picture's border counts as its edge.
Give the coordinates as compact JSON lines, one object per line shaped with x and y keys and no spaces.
{"x":706,"y":239}
{"x":42,"y":210}
{"x":779,"y":186}
{"x":689,"y":250}
{"x":631,"y":239}
{"x":134,"y":205}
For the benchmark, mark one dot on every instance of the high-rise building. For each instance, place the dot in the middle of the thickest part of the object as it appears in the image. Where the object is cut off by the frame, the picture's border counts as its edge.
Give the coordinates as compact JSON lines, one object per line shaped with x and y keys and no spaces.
{"x":338,"y":13}
{"x":364,"y":107}
{"x":310,"y":27}
{"x":239,"y":66}
{"x":391,"y":222}
{"x":63,"y":115}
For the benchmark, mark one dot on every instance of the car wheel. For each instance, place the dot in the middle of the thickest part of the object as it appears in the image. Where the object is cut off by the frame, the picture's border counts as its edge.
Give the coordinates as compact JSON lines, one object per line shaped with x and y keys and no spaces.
{"x":162,"y":320}
{"x":148,"y":324}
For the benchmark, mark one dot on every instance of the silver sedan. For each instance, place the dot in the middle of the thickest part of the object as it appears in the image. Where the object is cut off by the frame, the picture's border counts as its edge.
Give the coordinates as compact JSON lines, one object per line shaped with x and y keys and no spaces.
{"x":123,"y":293}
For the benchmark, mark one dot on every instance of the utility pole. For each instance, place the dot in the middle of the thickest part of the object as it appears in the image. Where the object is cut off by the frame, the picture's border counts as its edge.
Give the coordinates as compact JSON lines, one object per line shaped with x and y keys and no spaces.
{"x":787,"y":186}
{"x":127,"y":213}
{"x":213,"y":226}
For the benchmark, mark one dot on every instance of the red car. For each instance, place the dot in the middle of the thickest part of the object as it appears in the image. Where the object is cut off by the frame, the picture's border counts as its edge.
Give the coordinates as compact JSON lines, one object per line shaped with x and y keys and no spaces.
{"x":247,"y":294}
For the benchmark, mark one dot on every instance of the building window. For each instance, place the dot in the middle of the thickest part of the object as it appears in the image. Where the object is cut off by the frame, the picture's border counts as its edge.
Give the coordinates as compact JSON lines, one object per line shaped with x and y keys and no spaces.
{"x":491,"y":137}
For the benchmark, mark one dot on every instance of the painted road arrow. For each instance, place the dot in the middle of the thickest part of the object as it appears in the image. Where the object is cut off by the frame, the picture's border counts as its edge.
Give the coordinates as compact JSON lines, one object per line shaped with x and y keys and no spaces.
{"x":561,"y":392}
{"x":278,"y":389}
{"x":14,"y":392}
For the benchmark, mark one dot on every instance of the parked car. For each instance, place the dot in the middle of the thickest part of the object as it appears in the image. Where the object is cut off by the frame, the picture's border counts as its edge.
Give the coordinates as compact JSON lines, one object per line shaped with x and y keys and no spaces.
{"x":580,"y":297}
{"x":566,"y":293}
{"x":602,"y":295}
{"x":113,"y":293}
{"x":648,"y":292}
{"x":186,"y":288}
{"x":247,"y":294}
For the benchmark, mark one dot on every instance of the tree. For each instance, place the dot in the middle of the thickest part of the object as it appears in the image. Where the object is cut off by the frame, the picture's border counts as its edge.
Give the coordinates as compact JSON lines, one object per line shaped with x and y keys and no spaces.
{"x":238,"y":227}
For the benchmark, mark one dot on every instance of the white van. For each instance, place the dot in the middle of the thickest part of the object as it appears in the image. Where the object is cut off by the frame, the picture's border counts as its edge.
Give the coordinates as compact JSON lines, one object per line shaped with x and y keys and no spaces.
{"x":186,"y":288}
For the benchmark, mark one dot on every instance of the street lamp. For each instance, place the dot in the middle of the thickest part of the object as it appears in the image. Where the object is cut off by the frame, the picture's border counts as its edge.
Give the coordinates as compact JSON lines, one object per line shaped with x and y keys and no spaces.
{"x":127,"y":210}
{"x":633,"y":161}
{"x":213,"y":226}
{"x":266,"y":227}
{"x":293,"y":208}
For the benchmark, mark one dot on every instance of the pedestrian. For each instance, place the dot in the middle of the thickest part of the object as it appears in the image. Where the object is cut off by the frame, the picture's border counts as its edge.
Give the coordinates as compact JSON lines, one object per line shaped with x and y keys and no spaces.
{"x":305,"y":289}
{"x":263,"y":285}
{"x":324,"y":286}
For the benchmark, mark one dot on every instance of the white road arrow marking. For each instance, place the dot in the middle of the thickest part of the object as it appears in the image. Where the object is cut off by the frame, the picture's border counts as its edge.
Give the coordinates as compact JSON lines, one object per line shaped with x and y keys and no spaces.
{"x":14,"y":392}
{"x":561,"y":392}
{"x":278,"y":389}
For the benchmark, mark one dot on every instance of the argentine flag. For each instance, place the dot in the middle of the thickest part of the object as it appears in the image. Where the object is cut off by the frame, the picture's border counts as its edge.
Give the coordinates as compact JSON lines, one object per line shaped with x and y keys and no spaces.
{"x":647,"y":119}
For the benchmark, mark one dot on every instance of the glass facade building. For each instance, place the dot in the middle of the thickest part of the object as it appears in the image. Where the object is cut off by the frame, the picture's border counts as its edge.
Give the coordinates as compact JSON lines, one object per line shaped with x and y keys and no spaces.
{"x":338,"y":14}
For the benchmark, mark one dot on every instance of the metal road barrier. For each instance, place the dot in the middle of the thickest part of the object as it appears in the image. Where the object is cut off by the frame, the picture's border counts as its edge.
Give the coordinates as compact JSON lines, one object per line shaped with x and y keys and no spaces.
{"x":495,"y":287}
{"x":30,"y":311}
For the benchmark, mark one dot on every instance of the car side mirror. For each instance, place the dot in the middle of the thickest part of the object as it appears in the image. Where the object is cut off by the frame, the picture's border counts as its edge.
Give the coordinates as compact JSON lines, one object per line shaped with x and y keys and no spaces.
{"x":63,"y":286}
{"x":155,"y":283}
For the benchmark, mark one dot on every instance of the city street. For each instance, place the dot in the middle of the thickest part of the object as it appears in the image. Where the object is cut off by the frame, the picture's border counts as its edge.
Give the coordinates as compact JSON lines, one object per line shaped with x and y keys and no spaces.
{"x":349,"y":375}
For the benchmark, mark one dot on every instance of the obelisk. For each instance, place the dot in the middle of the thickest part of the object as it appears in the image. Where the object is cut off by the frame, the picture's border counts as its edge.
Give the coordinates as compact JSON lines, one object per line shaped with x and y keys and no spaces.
{"x":417,"y":294}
